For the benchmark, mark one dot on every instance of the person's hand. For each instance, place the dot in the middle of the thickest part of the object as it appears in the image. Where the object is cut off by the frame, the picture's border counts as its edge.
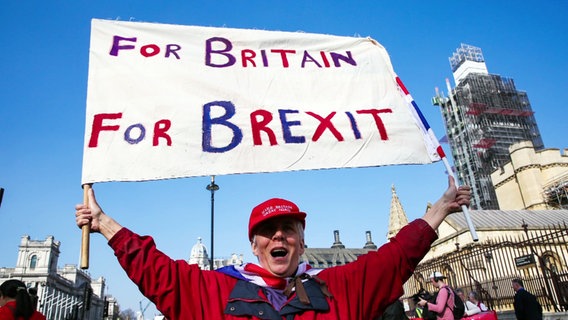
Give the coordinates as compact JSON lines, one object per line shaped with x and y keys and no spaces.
{"x":450,"y":202}
{"x":454,"y":198}
{"x":90,"y":214}
{"x":94,"y":215}
{"x":422,"y":302}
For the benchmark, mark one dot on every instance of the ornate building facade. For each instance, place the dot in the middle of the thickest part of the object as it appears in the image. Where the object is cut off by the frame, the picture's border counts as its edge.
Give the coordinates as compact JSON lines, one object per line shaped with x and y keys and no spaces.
{"x":63,"y":293}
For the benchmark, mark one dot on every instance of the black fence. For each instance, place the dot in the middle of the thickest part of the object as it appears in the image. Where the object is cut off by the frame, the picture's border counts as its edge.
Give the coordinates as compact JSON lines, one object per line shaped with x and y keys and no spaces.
{"x":538,"y":257}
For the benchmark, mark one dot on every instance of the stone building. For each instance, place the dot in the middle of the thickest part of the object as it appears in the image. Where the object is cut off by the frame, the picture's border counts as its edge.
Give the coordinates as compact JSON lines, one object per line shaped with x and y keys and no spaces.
{"x":533,"y":179}
{"x":63,"y":293}
{"x":526,"y":244}
{"x":200,"y":257}
{"x":337,"y":254}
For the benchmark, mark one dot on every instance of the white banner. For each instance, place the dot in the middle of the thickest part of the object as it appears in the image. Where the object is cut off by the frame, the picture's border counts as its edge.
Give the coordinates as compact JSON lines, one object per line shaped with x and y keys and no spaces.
{"x":171,"y":101}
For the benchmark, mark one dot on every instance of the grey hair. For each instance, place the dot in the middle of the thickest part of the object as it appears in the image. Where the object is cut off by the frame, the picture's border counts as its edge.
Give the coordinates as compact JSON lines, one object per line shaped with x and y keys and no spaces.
{"x":474,"y":295}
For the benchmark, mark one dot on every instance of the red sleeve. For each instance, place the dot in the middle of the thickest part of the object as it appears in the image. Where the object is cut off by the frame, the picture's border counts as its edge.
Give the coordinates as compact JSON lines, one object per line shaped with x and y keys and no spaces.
{"x":179,"y":290}
{"x":6,"y":313}
{"x":364,"y":288}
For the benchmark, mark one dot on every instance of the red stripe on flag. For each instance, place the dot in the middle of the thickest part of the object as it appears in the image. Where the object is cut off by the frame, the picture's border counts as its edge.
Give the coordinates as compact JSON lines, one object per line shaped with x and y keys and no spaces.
{"x":440,"y":152}
{"x":401,"y":85}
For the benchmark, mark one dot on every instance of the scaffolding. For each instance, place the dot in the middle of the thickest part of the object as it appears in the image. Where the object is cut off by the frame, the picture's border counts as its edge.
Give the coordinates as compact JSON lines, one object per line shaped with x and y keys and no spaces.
{"x":556,"y":192}
{"x":465,"y":53}
{"x":484,"y":115}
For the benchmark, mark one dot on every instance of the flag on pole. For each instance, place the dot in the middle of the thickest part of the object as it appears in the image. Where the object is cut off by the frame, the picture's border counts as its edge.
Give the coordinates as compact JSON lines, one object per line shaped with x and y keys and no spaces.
{"x":171,"y":101}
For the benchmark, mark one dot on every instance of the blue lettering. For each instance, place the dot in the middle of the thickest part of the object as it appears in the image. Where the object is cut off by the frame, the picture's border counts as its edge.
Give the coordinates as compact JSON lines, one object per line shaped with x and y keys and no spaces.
{"x":208,"y":122}
{"x":288,"y":137}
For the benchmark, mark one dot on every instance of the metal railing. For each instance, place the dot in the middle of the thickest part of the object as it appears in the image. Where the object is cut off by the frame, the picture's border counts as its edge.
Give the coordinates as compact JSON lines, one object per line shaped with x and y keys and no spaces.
{"x":538,"y":257}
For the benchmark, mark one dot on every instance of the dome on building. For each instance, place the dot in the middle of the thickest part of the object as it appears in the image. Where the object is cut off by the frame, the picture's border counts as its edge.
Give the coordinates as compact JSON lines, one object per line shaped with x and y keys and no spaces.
{"x":199,"y":255}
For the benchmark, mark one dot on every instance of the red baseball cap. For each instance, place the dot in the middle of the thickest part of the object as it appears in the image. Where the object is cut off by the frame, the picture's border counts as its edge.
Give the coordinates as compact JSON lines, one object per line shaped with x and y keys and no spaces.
{"x":274,"y":208}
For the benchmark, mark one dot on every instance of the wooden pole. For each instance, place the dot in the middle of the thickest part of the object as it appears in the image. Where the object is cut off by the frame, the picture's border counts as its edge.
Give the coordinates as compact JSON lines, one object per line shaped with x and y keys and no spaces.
{"x":85,"y":232}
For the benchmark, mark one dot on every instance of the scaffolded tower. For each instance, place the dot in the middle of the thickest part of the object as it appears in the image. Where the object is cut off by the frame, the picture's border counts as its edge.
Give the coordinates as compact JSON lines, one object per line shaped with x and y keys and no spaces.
{"x":484,"y":114}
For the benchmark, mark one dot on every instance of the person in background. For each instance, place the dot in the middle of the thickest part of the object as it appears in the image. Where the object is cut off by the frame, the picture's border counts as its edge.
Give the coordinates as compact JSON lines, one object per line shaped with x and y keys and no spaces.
{"x":474,"y":298}
{"x":16,"y":302}
{"x":444,"y":299}
{"x":526,"y":305}
{"x":470,"y":307}
{"x":280,"y":286}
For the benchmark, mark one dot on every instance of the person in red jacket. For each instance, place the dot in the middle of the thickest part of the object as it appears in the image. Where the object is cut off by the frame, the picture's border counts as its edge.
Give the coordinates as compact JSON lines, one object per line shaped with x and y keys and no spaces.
{"x":279,"y":286}
{"x":16,"y":302}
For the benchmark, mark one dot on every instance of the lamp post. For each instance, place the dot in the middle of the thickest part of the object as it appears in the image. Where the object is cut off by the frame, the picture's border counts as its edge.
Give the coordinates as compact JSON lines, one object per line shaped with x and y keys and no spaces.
{"x":212,"y":187}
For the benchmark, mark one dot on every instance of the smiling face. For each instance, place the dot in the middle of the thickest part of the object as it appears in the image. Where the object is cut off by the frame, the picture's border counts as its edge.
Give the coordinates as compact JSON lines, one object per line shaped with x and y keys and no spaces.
{"x":278,"y":244}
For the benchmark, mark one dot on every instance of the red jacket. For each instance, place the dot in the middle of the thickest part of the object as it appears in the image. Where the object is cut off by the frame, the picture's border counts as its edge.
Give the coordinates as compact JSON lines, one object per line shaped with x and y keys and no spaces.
{"x":361,"y":289}
{"x":7,"y":312}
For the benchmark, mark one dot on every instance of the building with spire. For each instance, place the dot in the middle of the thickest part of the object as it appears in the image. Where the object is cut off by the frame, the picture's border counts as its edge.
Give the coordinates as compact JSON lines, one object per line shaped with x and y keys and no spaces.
{"x":397,"y":216}
{"x":527,"y":244}
{"x":484,"y":115}
{"x":338,"y":254}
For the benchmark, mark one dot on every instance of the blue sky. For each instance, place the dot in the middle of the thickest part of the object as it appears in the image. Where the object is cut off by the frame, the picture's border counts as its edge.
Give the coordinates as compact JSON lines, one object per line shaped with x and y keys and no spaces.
{"x":43,"y":85}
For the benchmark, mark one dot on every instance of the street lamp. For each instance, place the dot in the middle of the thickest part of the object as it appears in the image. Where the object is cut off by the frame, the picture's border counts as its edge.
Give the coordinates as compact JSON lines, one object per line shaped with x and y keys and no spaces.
{"x":212,"y":187}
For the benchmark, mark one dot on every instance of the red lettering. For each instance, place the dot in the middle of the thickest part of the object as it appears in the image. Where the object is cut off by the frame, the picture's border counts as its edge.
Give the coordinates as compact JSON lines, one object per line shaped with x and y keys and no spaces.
{"x":378,"y":120}
{"x":98,"y":126}
{"x":283,"y":55}
{"x":160,"y":128}
{"x":260,"y":125}
{"x":248,"y":55}
{"x":324,"y":58}
{"x":325,"y":123}
{"x":149,"y":50}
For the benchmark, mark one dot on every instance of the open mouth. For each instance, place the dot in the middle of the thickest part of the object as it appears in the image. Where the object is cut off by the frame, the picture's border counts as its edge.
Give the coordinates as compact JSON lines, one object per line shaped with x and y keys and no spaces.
{"x":279,"y":253}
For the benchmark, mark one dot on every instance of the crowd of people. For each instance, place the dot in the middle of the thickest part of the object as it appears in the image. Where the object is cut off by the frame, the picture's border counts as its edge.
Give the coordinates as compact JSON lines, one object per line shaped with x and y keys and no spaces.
{"x":439,"y":305}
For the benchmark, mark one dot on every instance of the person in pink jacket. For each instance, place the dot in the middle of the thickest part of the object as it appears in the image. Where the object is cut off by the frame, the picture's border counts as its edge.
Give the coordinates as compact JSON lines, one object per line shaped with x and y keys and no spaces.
{"x":279,"y":286}
{"x":444,"y":300}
